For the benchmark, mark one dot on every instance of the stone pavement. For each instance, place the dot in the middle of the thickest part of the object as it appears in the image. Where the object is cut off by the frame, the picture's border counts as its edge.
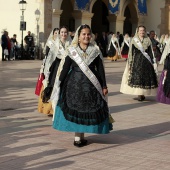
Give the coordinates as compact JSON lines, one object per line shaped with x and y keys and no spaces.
{"x":140,"y":139}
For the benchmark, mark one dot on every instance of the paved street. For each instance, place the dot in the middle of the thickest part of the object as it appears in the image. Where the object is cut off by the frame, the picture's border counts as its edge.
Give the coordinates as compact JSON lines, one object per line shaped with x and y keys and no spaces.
{"x":140,"y":139}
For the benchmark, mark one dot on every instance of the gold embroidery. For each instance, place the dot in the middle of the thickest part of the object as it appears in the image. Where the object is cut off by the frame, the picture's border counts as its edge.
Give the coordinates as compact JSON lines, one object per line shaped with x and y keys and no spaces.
{"x":84,"y":54}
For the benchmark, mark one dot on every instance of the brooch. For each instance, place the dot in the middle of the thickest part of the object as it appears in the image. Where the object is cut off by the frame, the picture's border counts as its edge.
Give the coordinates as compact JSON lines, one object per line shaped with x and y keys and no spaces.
{"x":74,"y":53}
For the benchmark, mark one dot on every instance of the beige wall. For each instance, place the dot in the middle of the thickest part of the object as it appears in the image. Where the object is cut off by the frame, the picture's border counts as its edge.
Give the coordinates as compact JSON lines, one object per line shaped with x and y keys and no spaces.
{"x":10,"y":17}
{"x":157,"y":18}
{"x":153,"y":18}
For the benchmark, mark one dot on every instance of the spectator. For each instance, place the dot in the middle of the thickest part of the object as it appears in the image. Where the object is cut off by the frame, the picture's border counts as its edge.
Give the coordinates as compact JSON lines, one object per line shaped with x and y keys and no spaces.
{"x":4,"y":44}
{"x":14,"y":47}
{"x":8,"y":47}
{"x":155,"y":47}
{"x":104,"y":43}
{"x":29,"y":41}
{"x":121,"y":38}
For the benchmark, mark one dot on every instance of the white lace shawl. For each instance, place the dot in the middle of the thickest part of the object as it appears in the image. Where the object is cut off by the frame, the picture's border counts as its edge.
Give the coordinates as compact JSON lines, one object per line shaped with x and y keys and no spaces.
{"x":128,"y":40}
{"x":146,"y":43}
{"x":165,"y":52}
{"x":55,"y":51}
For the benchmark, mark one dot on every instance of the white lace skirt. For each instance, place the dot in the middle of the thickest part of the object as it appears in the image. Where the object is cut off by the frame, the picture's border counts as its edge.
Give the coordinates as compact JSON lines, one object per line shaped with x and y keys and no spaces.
{"x":126,"y":89}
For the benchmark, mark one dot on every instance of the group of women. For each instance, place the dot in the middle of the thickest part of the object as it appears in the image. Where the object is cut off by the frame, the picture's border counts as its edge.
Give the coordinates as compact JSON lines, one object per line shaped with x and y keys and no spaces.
{"x":75,"y":86}
{"x":141,"y":74}
{"x":117,"y":51}
{"x":75,"y":90}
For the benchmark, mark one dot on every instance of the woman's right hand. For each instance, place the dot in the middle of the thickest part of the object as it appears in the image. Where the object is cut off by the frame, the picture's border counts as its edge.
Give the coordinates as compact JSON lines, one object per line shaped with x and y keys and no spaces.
{"x":105,"y":91}
{"x":165,"y":73}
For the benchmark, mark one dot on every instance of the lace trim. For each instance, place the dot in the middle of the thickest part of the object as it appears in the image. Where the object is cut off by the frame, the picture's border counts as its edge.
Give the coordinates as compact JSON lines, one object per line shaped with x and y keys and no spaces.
{"x":55,"y":51}
{"x":141,"y":86}
{"x":130,"y":77}
{"x":92,"y":52}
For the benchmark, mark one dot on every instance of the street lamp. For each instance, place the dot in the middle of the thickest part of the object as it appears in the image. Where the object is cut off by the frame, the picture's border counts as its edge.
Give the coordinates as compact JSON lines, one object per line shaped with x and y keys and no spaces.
{"x":37,"y":16}
{"x":22,"y":5}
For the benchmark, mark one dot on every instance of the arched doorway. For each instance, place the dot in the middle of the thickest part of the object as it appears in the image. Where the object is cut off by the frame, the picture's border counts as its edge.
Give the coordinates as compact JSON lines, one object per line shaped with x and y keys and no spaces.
{"x":127,"y":28}
{"x":66,"y":16}
{"x":131,"y":18}
{"x":100,"y":22}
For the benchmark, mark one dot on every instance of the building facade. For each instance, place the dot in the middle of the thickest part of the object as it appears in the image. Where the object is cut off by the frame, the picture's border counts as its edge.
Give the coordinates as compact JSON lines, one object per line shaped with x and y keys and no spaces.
{"x":55,"y":13}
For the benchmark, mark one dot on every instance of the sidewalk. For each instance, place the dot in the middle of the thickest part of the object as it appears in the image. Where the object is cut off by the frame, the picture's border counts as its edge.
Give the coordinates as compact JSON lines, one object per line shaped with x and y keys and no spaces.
{"x":140,"y":139}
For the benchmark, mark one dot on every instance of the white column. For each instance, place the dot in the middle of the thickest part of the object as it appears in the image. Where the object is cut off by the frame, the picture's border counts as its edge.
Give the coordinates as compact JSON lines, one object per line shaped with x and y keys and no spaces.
{"x":45,"y":23}
{"x":167,"y":17}
{"x":141,"y":20}
{"x":134,"y":25}
{"x":82,"y":18}
{"x":112,"y":22}
{"x":56,"y":18}
{"x":119,"y":24}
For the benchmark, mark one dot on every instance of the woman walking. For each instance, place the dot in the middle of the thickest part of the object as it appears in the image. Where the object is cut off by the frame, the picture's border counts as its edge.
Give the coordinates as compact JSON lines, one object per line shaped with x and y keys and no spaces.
{"x":57,"y":50}
{"x":82,"y":107}
{"x":125,"y":46}
{"x":114,"y":49}
{"x":140,"y":77}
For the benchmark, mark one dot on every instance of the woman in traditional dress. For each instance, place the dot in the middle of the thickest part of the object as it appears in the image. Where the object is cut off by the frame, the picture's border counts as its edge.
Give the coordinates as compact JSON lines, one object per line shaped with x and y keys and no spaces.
{"x":82,"y":107}
{"x":163,"y":94}
{"x":125,"y":46}
{"x":57,"y":50}
{"x":140,"y":77}
{"x":161,"y":42}
{"x":114,"y":49}
{"x":165,"y":41}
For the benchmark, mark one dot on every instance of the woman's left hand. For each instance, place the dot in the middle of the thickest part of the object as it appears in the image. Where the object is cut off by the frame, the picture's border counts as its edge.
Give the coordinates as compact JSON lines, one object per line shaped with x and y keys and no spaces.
{"x":105,"y":91}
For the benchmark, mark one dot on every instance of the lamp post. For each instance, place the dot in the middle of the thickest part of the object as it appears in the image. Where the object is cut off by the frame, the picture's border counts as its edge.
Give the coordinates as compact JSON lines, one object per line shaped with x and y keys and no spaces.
{"x":22,"y":5}
{"x":37,"y":16}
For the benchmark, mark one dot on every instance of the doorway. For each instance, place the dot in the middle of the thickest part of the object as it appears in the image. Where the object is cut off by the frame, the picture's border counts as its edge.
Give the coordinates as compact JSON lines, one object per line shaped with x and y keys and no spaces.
{"x":100,"y":22}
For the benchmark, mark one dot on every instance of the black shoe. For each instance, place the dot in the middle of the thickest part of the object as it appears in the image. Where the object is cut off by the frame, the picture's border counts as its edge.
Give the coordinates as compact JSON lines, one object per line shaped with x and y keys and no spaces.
{"x":141,"y":98}
{"x":50,"y":115}
{"x":84,"y":141}
{"x":80,"y":143}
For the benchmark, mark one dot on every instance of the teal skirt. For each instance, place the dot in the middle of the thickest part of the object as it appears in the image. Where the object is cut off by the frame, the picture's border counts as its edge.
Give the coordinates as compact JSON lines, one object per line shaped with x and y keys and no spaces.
{"x":61,"y":124}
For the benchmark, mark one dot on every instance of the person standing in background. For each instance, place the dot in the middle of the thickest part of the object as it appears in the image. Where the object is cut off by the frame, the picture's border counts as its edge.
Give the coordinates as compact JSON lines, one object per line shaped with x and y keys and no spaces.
{"x":104,"y":43}
{"x":8,"y":47}
{"x":14,"y":47}
{"x":29,"y":41}
{"x":155,"y":47}
{"x":4,"y":44}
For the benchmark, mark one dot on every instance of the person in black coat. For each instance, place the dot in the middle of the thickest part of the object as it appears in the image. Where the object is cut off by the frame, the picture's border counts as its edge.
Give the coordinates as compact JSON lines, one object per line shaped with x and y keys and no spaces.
{"x":4,"y":43}
{"x":104,"y":43}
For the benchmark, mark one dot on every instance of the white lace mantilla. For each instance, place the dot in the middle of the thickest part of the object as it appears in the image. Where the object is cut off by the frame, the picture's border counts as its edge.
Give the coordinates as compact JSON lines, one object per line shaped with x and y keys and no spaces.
{"x":56,"y":50}
{"x":91,"y":53}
